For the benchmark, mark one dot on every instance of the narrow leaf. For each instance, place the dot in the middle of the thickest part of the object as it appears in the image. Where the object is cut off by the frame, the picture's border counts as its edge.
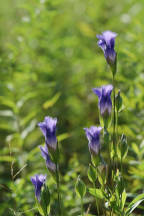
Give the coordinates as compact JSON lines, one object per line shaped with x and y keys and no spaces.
{"x":134,"y":204}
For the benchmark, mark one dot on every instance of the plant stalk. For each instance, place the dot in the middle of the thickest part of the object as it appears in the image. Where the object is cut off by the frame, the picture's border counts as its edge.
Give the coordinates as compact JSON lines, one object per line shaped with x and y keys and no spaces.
{"x":82,"y":210}
{"x":58,"y":189}
{"x":58,"y":184}
{"x":114,"y":122}
{"x":96,"y":199}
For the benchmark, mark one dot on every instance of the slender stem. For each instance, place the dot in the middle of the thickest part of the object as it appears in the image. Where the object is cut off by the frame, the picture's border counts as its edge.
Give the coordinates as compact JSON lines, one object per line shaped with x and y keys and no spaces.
{"x":82,"y":210}
{"x":96,"y":199}
{"x":58,"y":182}
{"x":114,"y":112}
{"x":110,"y":212}
{"x":117,"y":126}
{"x":58,"y":189}
{"x":121,"y":168}
{"x":114,"y":117}
{"x":121,"y":172}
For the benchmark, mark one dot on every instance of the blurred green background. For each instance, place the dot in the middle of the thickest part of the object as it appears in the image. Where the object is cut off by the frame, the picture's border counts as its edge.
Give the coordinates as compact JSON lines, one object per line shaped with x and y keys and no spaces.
{"x":49,"y":62}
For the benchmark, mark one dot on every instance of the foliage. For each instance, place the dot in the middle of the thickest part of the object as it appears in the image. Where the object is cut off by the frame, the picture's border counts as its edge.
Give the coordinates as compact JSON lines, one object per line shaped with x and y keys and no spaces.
{"x":49,"y":64}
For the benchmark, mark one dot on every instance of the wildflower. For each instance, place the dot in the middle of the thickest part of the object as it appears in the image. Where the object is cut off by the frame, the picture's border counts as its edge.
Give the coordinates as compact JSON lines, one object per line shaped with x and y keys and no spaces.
{"x":104,"y":96}
{"x":48,"y":128}
{"x":38,"y":181}
{"x":50,"y":165}
{"x":106,"y":43}
{"x":93,"y":136}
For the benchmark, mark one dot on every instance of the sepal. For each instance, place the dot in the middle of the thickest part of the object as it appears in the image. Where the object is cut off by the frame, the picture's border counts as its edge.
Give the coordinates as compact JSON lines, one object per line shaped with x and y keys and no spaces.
{"x":113,"y":66}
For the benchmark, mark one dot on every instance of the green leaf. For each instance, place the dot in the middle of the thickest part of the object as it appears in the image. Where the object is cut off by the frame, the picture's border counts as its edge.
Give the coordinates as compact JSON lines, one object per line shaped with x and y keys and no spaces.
{"x":8,"y":103}
{"x":118,"y":101}
{"x":45,"y":200}
{"x":95,"y":160}
{"x":96,"y":192}
{"x":7,"y":158}
{"x":134,"y":204}
{"x":51,"y":102}
{"x":102,"y":172}
{"x":28,"y":96}
{"x":92,"y":174}
{"x":136,"y":148}
{"x":106,"y":136}
{"x":124,"y":195}
{"x":124,"y":146}
{"x":80,"y":188}
{"x":63,"y":136}
{"x":28,"y":118}
{"x":39,"y":207}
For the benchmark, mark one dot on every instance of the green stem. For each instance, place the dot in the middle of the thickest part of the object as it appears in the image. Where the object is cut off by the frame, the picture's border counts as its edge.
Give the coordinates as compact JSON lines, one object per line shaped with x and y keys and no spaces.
{"x":82,"y":210}
{"x":121,"y":175}
{"x":58,"y":182}
{"x":114,"y":119}
{"x":58,"y":189}
{"x":96,"y":199}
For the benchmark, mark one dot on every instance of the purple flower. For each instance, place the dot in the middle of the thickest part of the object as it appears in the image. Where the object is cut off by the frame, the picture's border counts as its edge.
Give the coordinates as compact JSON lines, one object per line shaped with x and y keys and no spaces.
{"x":104,"y":96}
{"x":106,"y":43}
{"x":93,"y":136}
{"x":48,"y":128}
{"x":50,"y":165}
{"x":38,"y":181}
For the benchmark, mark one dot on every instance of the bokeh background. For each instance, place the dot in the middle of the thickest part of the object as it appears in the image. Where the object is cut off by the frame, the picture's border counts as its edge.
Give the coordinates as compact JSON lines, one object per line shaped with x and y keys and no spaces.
{"x":49,"y":62}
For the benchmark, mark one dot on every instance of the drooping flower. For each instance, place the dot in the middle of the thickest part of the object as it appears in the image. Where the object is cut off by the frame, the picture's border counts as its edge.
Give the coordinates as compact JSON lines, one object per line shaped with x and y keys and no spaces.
{"x":48,"y":128}
{"x":50,"y":165}
{"x":93,"y":136}
{"x":38,"y":181}
{"x":104,"y":97}
{"x":106,"y":43}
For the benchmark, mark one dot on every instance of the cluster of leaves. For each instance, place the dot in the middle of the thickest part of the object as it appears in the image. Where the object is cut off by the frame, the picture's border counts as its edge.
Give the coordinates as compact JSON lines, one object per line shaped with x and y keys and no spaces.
{"x":49,"y":63}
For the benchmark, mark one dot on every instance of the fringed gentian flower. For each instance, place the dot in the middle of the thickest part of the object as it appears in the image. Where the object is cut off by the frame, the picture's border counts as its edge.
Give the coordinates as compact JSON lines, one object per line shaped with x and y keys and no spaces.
{"x":50,"y":165}
{"x":104,"y":96}
{"x":93,"y":136}
{"x":48,"y":128}
{"x":106,"y":43}
{"x":38,"y":181}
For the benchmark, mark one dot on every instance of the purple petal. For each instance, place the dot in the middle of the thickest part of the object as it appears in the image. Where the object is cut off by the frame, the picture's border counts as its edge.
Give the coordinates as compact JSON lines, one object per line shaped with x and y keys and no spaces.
{"x":51,"y":166}
{"x":97,"y":91}
{"x":93,"y":136}
{"x":44,"y":152}
{"x":33,"y":180}
{"x":38,"y":181}
{"x":43,"y":127}
{"x":50,"y":122}
{"x":108,"y":36}
{"x":42,"y":178}
{"x":106,"y":43}
{"x":48,"y":128}
{"x":100,"y":37}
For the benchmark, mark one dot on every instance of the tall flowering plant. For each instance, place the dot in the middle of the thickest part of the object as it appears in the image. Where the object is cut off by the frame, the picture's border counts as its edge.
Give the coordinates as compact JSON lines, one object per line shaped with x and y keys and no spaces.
{"x":50,"y":153}
{"x":106,"y":176}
